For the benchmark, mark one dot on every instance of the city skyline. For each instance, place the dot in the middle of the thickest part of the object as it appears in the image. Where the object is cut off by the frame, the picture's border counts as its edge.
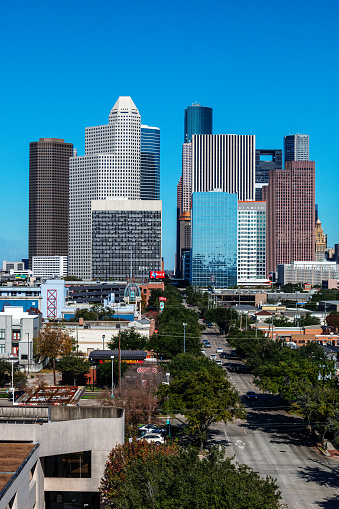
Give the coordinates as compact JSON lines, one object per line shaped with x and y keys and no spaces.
{"x":61,"y":97}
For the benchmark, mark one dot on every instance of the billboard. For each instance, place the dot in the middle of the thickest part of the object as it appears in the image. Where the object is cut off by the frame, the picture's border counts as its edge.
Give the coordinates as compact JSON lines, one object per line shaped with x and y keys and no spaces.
{"x":156,"y":274}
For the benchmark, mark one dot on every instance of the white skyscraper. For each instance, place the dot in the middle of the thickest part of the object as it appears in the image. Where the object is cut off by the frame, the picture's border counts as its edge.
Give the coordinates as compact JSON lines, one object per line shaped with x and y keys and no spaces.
{"x":296,"y":147}
{"x":109,"y":168}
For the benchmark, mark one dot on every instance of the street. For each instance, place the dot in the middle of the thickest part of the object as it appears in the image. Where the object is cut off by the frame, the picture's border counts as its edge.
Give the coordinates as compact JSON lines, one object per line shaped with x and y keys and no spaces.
{"x":274,"y":443}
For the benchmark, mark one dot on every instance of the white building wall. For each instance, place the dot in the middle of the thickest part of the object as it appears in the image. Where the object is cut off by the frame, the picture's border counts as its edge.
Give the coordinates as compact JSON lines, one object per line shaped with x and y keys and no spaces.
{"x":251,"y":241}
{"x":53,"y":293}
{"x":50,"y":266}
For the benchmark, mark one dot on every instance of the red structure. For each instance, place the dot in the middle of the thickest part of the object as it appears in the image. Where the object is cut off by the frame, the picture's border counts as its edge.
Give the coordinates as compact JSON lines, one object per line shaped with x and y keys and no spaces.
{"x":290,"y":197}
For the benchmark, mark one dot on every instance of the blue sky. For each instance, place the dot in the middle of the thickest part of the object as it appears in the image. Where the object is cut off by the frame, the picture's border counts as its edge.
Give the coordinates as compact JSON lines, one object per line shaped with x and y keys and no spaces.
{"x":266,"y":68}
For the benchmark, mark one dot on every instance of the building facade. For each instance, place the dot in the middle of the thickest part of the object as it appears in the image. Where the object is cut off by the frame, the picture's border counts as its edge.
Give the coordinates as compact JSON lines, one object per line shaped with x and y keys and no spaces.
{"x":225,"y":162}
{"x":150,"y":163}
{"x":265,"y":160}
{"x":126,"y":238}
{"x":307,"y":272}
{"x":290,"y":198}
{"x":48,"y":267}
{"x":198,"y":120}
{"x":296,"y":147}
{"x":214,"y":239}
{"x":48,"y":197}
{"x":251,"y":242}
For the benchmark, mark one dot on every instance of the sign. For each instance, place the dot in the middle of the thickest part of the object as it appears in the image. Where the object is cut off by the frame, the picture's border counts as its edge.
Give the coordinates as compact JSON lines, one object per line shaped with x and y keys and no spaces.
{"x":162,"y":299}
{"x":162,"y":305}
{"x":307,"y":286}
{"x":147,"y":370}
{"x":156,"y":274}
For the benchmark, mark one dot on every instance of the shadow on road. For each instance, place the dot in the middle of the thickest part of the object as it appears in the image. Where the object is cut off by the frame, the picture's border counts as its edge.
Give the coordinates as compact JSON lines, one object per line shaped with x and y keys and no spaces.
{"x":329,"y":503}
{"x":325,"y":475}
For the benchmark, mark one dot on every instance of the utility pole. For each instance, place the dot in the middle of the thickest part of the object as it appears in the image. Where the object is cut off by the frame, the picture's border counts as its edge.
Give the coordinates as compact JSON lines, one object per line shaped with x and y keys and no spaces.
{"x":119,"y":364}
{"x":184,"y":324}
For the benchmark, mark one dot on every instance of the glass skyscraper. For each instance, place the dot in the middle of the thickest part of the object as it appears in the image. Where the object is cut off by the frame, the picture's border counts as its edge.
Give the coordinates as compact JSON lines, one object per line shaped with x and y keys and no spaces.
{"x":214,"y":239}
{"x":150,"y":163}
{"x":198,"y":120}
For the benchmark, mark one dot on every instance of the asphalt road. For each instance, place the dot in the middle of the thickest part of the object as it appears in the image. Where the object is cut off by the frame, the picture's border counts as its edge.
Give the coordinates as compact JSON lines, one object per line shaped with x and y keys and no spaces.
{"x":276,"y":444}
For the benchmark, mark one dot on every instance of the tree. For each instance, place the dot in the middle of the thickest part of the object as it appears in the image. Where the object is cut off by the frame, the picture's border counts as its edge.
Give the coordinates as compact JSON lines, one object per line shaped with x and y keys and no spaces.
{"x":104,"y":372}
{"x":73,"y":370}
{"x":139,"y":475}
{"x":53,"y":341}
{"x":129,"y":340}
{"x":204,"y":397}
{"x":332,"y":320}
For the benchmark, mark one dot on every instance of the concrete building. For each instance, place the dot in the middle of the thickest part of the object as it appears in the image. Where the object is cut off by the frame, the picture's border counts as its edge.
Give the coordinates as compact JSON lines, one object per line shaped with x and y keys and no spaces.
{"x":67,"y":449}
{"x":296,"y":147}
{"x":214,"y":239}
{"x":290,"y":198}
{"x":48,"y":267}
{"x":53,"y":295}
{"x":17,"y":330}
{"x":320,"y":242}
{"x":48,"y":197}
{"x":13,"y":266}
{"x":265,"y":160}
{"x":225,"y":162}
{"x":251,"y":242}
{"x":126,"y":238}
{"x":150,"y":163}
{"x":307,"y":272}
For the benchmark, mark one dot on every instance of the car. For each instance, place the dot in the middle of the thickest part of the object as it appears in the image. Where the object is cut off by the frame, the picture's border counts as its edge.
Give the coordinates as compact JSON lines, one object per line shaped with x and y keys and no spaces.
{"x":213,"y":356}
{"x":233,"y":367}
{"x":219,"y":350}
{"x":151,"y":428}
{"x":251,"y":395}
{"x":209,"y":325}
{"x":208,"y":345}
{"x":223,"y":355}
{"x":153,"y":438}
{"x":205,"y":341}
{"x":218,"y":362}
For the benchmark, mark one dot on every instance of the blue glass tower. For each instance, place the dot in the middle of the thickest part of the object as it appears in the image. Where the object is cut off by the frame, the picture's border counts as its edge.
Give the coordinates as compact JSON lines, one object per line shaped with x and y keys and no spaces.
{"x":198,"y":120}
{"x":214,"y":239}
{"x":150,"y":163}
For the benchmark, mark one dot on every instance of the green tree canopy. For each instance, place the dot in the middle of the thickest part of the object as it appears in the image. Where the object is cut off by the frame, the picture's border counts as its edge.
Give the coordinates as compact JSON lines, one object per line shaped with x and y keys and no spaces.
{"x":141,"y":476}
{"x":73,"y":369}
{"x":129,"y":340}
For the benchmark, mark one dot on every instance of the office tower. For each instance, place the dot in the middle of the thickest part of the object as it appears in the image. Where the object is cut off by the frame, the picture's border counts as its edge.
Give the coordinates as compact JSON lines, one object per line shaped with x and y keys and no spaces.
{"x":265,"y":160}
{"x":225,"y":162}
{"x":150,"y":163}
{"x":320,"y":242}
{"x":186,"y":177}
{"x":178,"y":249}
{"x":198,"y":120}
{"x":126,"y":238}
{"x":48,"y":197}
{"x":290,"y":197}
{"x":214,"y":239}
{"x":109,"y":168}
{"x":251,"y":241}
{"x":296,"y":147}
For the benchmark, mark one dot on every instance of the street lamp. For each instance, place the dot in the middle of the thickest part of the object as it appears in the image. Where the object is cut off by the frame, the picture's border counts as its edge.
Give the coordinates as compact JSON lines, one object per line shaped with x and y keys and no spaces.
{"x":13,"y":361}
{"x":103,"y":341}
{"x":112,"y":395}
{"x":28,"y":352}
{"x":184,"y":324}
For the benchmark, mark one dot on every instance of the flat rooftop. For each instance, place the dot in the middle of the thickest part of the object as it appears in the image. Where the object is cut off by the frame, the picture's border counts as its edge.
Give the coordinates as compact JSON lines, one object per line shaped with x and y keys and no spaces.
{"x":12,"y":455}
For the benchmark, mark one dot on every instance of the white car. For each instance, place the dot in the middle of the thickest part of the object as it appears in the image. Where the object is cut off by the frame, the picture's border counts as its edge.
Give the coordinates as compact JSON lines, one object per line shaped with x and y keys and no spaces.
{"x":219,"y":362}
{"x":154,"y":438}
{"x":219,"y":350}
{"x":213,"y":356}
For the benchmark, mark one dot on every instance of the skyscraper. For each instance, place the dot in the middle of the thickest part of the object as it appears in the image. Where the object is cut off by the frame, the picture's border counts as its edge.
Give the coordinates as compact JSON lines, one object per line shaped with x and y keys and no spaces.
{"x":265,"y":160}
{"x":48,"y":197}
{"x":150,"y":163}
{"x":296,"y":147}
{"x":251,"y":241}
{"x":320,"y":242}
{"x":198,"y":120}
{"x":225,"y":162}
{"x":290,"y":197}
{"x":109,"y":168}
{"x":214,"y":239}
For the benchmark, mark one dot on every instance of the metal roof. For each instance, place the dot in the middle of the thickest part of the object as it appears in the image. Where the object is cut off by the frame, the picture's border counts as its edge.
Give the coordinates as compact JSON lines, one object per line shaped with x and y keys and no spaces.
{"x":125,"y":354}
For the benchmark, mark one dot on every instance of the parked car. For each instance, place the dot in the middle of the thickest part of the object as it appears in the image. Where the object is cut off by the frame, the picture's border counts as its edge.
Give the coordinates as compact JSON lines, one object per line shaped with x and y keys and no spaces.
{"x":251,"y":395}
{"x":151,"y":428}
{"x":213,"y":356}
{"x":208,"y":345}
{"x":209,"y":325}
{"x":219,"y":362}
{"x":154,"y":438}
{"x":233,"y":367}
{"x":219,"y":350}
{"x":223,"y":355}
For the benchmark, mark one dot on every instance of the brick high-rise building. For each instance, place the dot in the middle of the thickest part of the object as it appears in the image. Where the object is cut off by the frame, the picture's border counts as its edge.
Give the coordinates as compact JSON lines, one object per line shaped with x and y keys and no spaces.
{"x":290,"y":197}
{"x":48,"y":197}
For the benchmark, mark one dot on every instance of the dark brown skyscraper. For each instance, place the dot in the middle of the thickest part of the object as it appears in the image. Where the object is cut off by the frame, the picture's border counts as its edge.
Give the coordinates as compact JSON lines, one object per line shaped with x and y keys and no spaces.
{"x":48,"y":197}
{"x":290,"y":197}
